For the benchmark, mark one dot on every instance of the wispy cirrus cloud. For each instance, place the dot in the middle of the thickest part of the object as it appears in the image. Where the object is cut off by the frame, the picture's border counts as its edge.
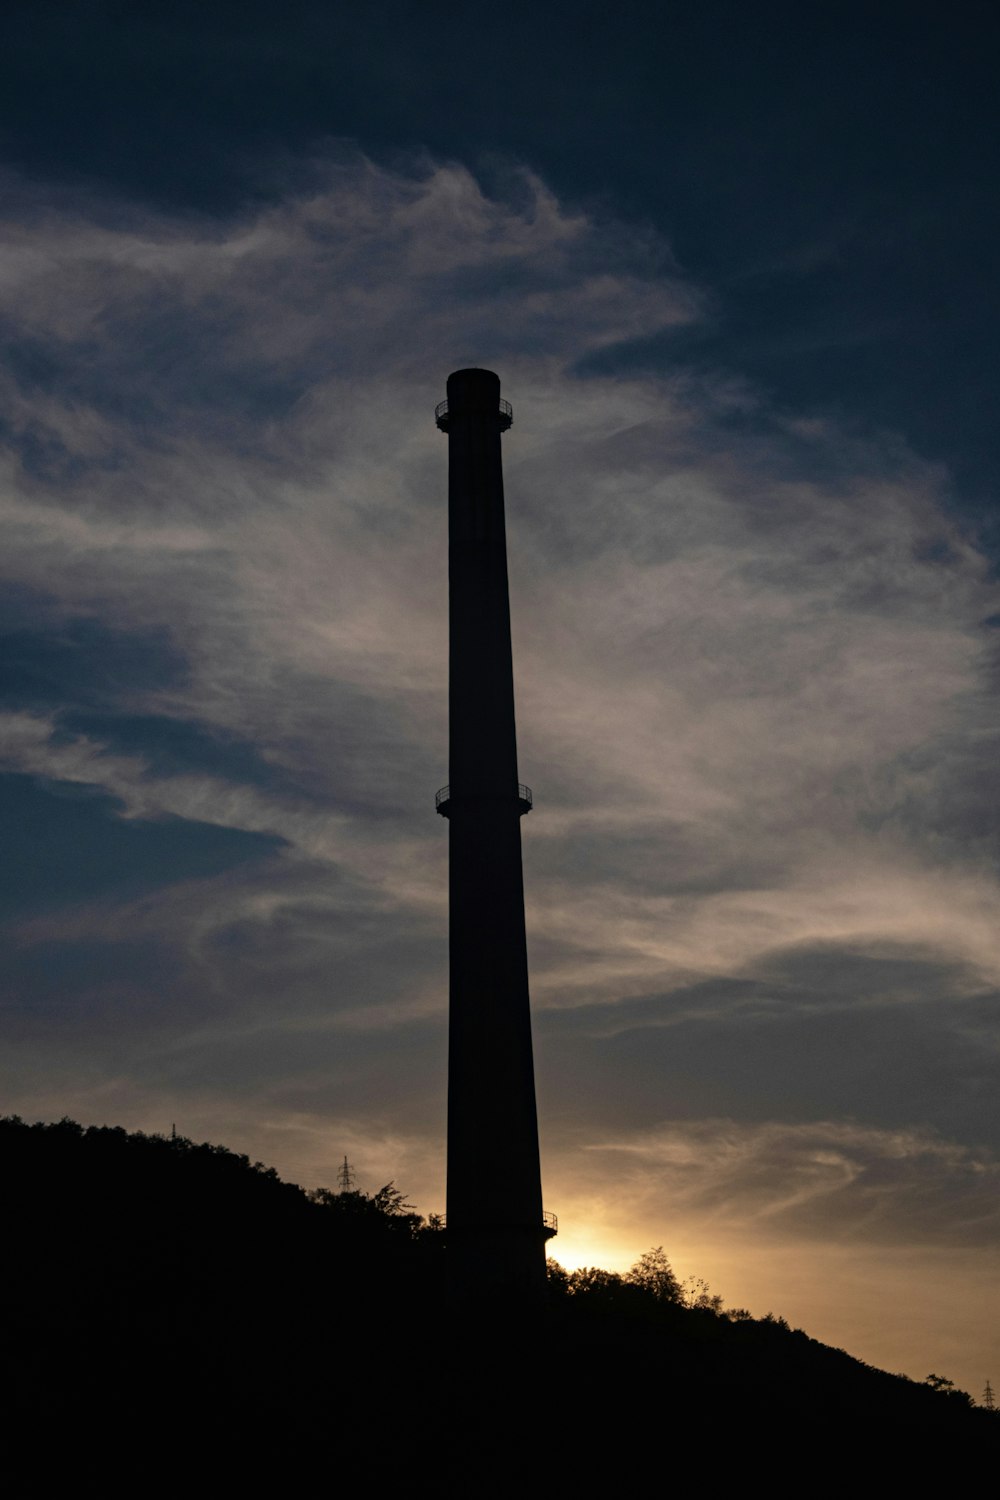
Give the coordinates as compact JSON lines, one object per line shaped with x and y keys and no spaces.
{"x":835,"y":1180}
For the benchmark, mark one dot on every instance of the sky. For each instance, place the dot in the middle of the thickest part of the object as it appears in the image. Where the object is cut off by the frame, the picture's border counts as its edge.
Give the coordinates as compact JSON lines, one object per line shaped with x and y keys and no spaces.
{"x":734,"y":265}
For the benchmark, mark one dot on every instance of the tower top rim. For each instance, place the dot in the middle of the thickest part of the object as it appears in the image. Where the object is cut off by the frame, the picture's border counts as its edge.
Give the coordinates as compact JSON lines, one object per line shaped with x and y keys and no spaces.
{"x":473,"y":389}
{"x":476,"y":371}
{"x":473,"y":393}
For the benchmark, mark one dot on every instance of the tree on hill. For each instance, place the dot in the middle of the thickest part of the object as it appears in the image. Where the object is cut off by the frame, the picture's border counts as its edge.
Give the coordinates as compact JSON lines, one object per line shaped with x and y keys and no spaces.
{"x":652,"y":1273}
{"x":385,"y":1211}
{"x":696,"y":1293}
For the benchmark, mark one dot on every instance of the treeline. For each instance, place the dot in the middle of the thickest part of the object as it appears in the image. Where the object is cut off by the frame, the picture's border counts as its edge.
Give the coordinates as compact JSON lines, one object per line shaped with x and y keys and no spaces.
{"x":176,"y":1319}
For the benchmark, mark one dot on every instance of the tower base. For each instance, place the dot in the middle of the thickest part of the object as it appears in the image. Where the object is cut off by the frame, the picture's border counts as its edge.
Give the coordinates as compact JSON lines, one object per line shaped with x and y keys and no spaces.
{"x":497,"y":1265}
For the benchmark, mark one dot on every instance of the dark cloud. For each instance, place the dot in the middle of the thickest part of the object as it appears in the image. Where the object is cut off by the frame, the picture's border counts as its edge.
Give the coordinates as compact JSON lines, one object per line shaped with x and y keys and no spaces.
{"x":99,"y":1001}
{"x":170,"y":747}
{"x":51,"y":662}
{"x":67,"y":843}
{"x":757,"y":1056}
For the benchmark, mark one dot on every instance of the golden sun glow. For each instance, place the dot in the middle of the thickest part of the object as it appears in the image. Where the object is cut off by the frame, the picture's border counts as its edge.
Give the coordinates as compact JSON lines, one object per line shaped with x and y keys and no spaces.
{"x":578,"y":1247}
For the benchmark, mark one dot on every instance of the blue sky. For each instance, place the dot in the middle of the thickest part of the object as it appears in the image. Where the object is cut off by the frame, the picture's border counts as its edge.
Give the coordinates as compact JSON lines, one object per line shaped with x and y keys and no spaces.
{"x":733,"y":266}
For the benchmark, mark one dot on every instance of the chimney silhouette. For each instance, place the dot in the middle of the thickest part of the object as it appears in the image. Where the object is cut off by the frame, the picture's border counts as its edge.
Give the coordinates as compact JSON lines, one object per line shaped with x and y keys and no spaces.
{"x":495,"y":1225}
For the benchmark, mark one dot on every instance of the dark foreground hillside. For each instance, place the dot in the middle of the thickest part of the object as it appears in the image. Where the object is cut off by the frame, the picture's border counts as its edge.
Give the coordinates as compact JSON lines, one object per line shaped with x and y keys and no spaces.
{"x":178,"y":1321}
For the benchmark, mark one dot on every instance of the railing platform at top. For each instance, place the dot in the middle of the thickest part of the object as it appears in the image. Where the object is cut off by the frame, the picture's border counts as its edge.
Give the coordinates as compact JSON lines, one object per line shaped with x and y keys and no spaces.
{"x":505,"y":415}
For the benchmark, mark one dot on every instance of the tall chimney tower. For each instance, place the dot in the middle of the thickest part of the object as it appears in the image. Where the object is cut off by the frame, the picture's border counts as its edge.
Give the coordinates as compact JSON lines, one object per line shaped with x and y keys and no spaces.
{"x":496,"y":1230}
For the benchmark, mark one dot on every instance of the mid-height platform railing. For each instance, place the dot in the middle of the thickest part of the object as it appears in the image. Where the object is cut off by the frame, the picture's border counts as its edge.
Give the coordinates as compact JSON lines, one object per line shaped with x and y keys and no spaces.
{"x":442,"y":800}
{"x":550,"y":1224}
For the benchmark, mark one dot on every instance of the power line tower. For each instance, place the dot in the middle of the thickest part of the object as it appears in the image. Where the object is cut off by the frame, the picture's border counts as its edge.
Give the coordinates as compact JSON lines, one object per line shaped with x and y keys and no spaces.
{"x":347,"y":1178}
{"x":989,"y":1398}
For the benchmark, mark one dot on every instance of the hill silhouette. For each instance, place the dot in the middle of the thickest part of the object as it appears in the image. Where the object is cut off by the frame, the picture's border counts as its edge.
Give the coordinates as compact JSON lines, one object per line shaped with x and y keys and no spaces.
{"x":176,"y":1319}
